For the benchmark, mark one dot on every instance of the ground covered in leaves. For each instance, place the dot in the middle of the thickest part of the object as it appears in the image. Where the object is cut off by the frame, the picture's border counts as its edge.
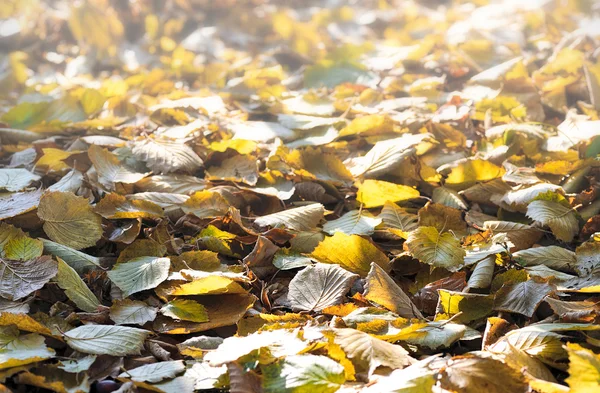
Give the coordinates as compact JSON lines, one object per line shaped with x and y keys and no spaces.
{"x":238,"y":195}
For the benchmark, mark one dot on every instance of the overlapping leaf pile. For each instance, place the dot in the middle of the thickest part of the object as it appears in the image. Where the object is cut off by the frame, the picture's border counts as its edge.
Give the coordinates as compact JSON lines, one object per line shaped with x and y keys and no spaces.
{"x":237,"y":195}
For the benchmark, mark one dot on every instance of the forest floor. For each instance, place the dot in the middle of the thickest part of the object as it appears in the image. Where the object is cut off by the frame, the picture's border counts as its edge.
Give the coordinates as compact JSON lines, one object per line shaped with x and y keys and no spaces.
{"x":314,"y":196}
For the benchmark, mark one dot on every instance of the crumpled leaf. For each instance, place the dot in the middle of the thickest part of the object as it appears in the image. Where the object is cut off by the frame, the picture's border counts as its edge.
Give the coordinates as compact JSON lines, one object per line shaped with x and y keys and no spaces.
{"x":110,"y":170}
{"x":469,"y":374}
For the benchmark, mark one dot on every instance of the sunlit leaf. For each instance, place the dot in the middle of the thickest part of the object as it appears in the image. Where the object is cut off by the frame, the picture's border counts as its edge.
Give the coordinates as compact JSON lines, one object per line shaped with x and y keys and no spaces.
{"x":351,"y":252}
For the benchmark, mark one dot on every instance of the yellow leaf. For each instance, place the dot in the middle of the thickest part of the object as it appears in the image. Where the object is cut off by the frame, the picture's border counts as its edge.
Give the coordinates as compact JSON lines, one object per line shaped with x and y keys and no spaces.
{"x":23,"y":322}
{"x":23,"y":248}
{"x":69,"y":220}
{"x":352,"y":252}
{"x":242,"y":146}
{"x":205,"y":204}
{"x":435,"y":248}
{"x":374,"y":193}
{"x":470,"y":172}
{"x":584,"y":369}
{"x":92,"y":101}
{"x":369,"y":125}
{"x":142,"y":248}
{"x":52,"y":160}
{"x":117,"y":206}
{"x":211,"y":285}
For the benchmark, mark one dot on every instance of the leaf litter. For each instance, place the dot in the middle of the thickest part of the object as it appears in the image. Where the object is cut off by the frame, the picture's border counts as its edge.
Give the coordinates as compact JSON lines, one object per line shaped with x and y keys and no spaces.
{"x":264,"y":196}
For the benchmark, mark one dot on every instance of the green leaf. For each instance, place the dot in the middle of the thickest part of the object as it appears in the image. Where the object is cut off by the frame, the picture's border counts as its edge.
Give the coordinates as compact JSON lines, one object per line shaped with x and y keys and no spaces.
{"x":303,"y":374}
{"x":106,"y":339}
{"x":75,"y":289}
{"x":186,"y":310}
{"x":23,"y":248}
{"x":139,"y":274}
{"x":81,"y":262}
